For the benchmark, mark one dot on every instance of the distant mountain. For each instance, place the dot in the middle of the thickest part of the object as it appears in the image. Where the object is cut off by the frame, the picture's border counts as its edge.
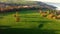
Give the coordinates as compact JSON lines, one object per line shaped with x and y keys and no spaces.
{"x":30,"y":3}
{"x":54,"y":4}
{"x":44,"y":5}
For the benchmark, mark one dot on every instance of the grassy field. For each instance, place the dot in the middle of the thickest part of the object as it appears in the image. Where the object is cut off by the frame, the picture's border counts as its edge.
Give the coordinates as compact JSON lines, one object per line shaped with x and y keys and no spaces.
{"x":30,"y":23}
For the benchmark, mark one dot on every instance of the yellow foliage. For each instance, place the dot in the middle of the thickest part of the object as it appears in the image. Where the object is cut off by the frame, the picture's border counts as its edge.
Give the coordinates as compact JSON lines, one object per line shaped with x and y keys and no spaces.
{"x":43,"y":14}
{"x":17,"y":19}
{"x":50,"y":16}
{"x":47,"y":12}
{"x":54,"y":17}
{"x":17,"y":14}
{"x":58,"y":17}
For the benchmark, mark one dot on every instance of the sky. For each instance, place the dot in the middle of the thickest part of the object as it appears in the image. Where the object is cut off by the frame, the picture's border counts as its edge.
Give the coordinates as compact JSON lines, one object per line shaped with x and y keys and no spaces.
{"x":52,"y":2}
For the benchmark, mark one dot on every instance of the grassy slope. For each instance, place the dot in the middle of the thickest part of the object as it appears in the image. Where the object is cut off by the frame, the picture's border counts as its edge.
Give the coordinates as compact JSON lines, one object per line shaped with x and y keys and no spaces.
{"x":29,"y":19}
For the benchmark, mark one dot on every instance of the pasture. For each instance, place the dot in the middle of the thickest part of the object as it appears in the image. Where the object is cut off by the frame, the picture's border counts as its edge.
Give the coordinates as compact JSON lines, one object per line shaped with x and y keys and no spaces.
{"x":31,"y":22}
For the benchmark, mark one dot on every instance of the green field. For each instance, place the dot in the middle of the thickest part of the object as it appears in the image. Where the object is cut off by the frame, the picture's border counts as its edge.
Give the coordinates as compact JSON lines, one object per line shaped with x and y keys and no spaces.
{"x":30,"y":23}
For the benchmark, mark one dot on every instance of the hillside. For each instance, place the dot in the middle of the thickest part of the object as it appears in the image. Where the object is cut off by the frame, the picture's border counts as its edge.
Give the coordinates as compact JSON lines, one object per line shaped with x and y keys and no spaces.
{"x":31,"y":22}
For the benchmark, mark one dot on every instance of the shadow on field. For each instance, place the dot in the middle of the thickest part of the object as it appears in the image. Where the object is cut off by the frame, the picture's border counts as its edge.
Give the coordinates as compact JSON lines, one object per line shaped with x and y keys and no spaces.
{"x":42,"y":23}
{"x":26,"y":31}
{"x":9,"y":30}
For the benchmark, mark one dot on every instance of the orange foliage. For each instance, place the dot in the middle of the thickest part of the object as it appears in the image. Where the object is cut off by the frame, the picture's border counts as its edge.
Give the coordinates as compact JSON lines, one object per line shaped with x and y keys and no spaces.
{"x":2,"y":9}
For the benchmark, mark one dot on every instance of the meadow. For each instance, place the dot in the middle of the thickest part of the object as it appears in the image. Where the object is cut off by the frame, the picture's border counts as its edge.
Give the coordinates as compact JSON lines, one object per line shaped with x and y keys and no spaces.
{"x":31,"y":22}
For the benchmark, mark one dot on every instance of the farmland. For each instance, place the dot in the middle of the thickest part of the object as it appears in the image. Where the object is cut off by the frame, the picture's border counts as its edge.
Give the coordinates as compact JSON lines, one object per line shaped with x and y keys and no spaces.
{"x":30,"y":22}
